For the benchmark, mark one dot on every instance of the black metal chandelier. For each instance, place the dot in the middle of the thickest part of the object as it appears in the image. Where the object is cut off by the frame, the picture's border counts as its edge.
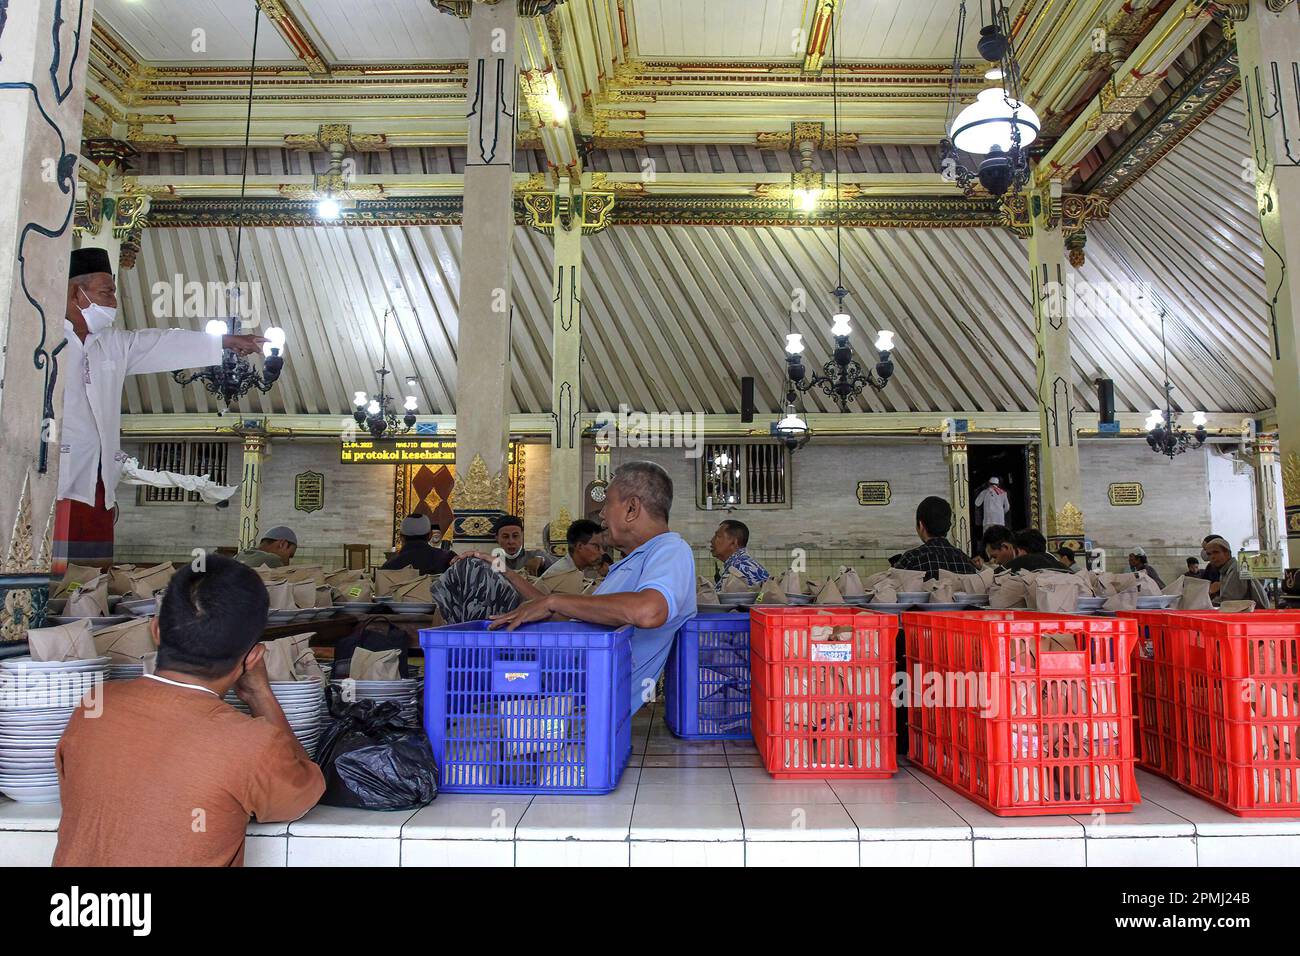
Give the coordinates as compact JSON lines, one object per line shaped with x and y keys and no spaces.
{"x":376,"y":412}
{"x":844,"y":377}
{"x":999,"y":125}
{"x":236,"y":376}
{"x":1164,"y":436}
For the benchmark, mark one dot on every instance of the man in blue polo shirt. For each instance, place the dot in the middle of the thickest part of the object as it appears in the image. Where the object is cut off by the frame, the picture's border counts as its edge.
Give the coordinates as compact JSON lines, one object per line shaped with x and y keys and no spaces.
{"x":652,"y":589}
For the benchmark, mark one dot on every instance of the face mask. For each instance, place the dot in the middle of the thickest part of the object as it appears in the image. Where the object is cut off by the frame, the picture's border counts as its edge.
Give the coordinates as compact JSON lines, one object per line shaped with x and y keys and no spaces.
{"x":97,"y":317}
{"x":515,"y":555}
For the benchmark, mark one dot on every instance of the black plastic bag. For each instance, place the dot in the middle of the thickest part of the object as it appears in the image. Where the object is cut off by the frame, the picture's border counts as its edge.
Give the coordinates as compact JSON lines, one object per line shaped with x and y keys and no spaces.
{"x":372,"y":761}
{"x":374,"y":634}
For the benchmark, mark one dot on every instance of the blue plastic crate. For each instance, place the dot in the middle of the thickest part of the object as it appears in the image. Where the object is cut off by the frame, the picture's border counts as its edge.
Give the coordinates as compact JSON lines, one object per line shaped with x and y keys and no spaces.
{"x":706,"y":684}
{"x":543,"y":709}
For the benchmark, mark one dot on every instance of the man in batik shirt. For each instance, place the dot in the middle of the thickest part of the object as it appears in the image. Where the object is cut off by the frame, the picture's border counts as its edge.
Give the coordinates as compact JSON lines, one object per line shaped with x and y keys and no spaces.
{"x":728,"y":546}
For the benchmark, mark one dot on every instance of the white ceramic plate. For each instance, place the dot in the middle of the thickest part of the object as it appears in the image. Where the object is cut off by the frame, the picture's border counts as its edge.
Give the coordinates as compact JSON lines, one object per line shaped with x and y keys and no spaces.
{"x":25,"y":663}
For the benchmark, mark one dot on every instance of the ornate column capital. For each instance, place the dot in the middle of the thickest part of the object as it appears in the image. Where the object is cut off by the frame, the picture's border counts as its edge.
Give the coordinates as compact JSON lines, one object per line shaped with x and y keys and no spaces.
{"x":591,"y":210}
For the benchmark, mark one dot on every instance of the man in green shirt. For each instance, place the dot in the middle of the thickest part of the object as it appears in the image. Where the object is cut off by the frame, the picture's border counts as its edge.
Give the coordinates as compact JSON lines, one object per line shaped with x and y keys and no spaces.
{"x":275,"y":550}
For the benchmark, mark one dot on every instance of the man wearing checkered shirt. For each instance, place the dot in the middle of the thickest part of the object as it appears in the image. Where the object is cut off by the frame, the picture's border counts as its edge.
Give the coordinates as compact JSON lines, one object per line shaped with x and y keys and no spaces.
{"x":933,"y":519}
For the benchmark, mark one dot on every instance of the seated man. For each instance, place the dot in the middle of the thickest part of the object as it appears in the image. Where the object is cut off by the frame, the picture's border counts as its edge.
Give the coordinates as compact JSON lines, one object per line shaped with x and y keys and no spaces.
{"x":1137,"y":562}
{"x":1065,"y":557}
{"x":416,"y":550}
{"x":728,"y":546}
{"x":510,"y":539}
{"x":584,"y":541}
{"x":999,"y":545}
{"x":275,"y":550}
{"x":1230,"y":586}
{"x":933,"y":519}
{"x":652,"y":589}
{"x":168,"y":773}
{"x":1031,"y":553}
{"x":1193,"y":567}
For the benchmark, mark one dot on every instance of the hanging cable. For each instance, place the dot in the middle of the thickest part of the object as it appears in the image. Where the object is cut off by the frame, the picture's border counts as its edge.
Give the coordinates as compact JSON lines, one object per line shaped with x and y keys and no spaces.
{"x":835,"y":147}
{"x":248,"y":129}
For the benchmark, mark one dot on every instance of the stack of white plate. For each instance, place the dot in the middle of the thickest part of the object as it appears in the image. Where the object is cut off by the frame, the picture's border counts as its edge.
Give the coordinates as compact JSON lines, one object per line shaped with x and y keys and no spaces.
{"x":300,"y":701}
{"x":36,"y":701}
{"x":125,"y":671}
{"x":406,"y":693}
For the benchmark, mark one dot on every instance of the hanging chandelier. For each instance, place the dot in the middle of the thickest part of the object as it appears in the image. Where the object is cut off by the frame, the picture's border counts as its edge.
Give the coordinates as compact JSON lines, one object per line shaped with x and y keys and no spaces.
{"x":792,"y":429}
{"x":236,"y":376}
{"x":998,"y":126}
{"x":844,"y":377}
{"x":376,"y":412}
{"x":1164,"y":436}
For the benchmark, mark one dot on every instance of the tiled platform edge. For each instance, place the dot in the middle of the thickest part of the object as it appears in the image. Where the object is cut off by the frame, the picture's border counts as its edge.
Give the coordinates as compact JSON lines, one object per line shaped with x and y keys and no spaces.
{"x":712,"y":804}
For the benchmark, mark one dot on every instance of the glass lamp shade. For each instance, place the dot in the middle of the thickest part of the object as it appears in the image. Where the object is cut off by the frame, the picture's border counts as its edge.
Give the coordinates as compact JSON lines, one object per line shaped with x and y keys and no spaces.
{"x":410,"y":403}
{"x":987,"y":122}
{"x":885,"y":341}
{"x":792,"y":422}
{"x":1199,"y":420}
{"x":841,"y":324}
{"x":359,"y":399}
{"x":372,"y":409}
{"x":794,"y":343}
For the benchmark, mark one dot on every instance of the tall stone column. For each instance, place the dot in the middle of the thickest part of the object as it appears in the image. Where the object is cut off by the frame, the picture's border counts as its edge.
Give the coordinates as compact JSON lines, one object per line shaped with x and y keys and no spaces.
{"x":483,"y":342}
{"x":250,"y":491}
{"x":1266,"y":516}
{"x":567,"y":217}
{"x":1048,"y":267}
{"x":958,"y":458}
{"x":1268,"y":44}
{"x":42,"y":93}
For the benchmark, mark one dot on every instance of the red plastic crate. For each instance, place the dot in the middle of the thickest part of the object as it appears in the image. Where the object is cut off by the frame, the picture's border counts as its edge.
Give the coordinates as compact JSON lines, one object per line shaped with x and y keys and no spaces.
{"x":1242,"y":685}
{"x":1227,"y":729}
{"x":820,"y":683}
{"x":1021,"y":730}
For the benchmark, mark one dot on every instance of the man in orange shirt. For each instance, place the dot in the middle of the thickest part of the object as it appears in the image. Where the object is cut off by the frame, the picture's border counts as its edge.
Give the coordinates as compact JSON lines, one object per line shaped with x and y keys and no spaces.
{"x":166,"y":773}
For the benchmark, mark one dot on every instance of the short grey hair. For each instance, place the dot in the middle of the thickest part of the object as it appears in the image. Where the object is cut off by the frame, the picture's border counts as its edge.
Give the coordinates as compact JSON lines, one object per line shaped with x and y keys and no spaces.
{"x":647,"y":482}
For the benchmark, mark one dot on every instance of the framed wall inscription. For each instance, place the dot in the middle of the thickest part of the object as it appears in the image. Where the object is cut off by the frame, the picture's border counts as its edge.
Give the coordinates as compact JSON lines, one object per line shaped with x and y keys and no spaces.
{"x":1126,"y":494}
{"x":309,"y":491}
{"x":873,"y":493}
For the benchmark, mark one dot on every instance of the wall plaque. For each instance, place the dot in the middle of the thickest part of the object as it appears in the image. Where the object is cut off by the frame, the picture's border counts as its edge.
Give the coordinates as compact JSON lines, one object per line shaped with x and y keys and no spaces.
{"x":309,"y":491}
{"x":1126,"y":494}
{"x":873,"y":493}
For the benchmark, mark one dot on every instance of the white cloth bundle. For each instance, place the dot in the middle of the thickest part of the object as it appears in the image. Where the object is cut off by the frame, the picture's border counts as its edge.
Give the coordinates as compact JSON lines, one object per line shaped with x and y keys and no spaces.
{"x":146,"y":582}
{"x":211,"y":492}
{"x":280,"y":594}
{"x":849,"y":584}
{"x":88,"y":599}
{"x":65,"y":642}
{"x":296,"y":651}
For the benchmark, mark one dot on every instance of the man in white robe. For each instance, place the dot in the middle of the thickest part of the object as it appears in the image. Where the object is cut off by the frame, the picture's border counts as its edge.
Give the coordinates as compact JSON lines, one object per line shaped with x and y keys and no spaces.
{"x":93,"y":366}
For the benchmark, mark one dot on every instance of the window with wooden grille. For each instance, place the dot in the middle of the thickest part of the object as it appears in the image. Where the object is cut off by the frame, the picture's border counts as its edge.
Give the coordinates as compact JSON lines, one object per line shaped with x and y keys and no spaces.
{"x":182,"y":458}
{"x":744,"y":475}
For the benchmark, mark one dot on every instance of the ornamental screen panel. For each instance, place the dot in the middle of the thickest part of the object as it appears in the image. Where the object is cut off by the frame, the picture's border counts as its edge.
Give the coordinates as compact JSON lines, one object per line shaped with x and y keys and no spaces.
{"x":182,"y":458}
{"x":744,"y":475}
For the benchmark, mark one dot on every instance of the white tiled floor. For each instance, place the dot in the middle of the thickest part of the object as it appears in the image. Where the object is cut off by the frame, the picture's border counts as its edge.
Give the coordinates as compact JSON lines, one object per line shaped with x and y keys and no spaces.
{"x":712,"y":804}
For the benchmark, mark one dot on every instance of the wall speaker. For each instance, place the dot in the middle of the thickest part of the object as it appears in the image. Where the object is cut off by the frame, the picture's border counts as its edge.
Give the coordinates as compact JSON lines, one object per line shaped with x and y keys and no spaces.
{"x":1106,"y":400}
{"x":747,"y":399}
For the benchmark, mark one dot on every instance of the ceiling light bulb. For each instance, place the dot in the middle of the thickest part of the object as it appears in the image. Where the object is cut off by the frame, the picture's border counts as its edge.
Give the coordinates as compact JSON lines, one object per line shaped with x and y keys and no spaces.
{"x":806,"y":199}
{"x":373,"y":408}
{"x":328,"y":208}
{"x":841,"y":324}
{"x":885,"y":341}
{"x":559,"y":111}
{"x":359,"y":399}
{"x":410,"y":403}
{"x":1199,"y":420}
{"x":216,"y":327}
{"x":794,"y":343}
{"x":994,"y":75}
